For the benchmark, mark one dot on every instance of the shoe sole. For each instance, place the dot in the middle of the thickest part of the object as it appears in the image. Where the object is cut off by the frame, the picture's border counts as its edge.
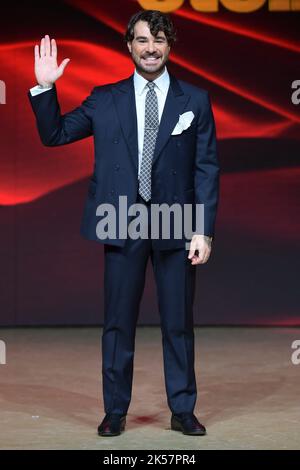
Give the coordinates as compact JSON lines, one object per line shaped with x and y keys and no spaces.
{"x":197,"y":433}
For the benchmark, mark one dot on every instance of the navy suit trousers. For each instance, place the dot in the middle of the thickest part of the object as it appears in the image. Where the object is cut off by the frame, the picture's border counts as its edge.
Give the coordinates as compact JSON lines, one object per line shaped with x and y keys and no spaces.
{"x":124,"y":279}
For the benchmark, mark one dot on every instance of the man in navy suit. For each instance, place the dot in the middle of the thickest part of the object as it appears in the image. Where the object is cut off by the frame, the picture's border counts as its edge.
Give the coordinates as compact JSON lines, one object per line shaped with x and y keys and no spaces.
{"x":155,"y":143}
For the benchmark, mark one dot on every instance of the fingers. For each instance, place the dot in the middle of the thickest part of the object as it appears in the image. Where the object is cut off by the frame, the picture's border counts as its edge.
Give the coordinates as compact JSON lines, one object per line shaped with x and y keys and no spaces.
{"x":47,"y":45}
{"x":202,"y":257}
{"x":63,"y":65}
{"x":54,"y":48}
{"x":45,"y":48}
{"x":36,"y":52}
{"x":192,"y":250}
{"x":200,"y":249}
{"x":42,"y":48}
{"x":198,"y":260}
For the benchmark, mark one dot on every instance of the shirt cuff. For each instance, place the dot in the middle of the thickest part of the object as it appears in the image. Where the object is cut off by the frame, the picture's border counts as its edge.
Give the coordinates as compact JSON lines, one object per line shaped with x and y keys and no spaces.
{"x":37,"y":90}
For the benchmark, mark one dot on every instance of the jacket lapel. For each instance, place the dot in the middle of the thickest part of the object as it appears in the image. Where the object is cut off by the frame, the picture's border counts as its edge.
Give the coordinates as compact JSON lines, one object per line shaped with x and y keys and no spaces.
{"x":175,"y":103}
{"x":124,"y":99}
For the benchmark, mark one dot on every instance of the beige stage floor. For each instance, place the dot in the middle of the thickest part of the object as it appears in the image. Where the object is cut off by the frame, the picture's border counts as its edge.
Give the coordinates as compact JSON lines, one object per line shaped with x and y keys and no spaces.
{"x":248,"y":391}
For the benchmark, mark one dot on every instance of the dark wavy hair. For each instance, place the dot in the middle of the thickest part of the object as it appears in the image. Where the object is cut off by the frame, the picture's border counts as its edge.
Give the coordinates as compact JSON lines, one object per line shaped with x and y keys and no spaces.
{"x":156,"y":20}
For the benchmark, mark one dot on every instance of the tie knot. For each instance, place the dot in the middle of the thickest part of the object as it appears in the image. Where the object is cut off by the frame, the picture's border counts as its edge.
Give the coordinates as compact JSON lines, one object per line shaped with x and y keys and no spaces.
{"x":151,"y":85}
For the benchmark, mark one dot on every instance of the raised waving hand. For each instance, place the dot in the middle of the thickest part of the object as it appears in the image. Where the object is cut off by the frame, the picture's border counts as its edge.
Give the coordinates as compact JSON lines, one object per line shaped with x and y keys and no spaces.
{"x":45,"y":64}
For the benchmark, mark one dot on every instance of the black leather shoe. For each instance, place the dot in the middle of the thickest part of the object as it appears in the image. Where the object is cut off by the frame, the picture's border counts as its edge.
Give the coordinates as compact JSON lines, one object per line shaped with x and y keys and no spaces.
{"x":188,"y":424}
{"x":112,"y":425}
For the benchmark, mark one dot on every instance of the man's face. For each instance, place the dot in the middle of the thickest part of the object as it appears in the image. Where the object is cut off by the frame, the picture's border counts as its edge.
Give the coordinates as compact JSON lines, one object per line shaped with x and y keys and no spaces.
{"x":149,"y":53}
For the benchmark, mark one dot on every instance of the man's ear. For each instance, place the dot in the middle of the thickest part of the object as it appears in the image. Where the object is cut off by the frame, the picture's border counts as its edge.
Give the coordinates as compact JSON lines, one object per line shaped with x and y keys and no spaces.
{"x":129,"y":46}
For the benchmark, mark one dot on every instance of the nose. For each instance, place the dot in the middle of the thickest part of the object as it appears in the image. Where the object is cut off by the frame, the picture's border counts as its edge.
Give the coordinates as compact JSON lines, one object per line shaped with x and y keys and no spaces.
{"x":151,"y":47}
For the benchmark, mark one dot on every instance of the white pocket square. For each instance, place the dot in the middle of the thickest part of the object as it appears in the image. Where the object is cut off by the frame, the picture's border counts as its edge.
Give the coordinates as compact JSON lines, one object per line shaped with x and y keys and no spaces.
{"x":183,"y":123}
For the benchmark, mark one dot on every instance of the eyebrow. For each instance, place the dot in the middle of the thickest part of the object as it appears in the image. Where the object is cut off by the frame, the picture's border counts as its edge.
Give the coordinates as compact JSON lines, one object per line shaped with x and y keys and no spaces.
{"x":156,"y":37}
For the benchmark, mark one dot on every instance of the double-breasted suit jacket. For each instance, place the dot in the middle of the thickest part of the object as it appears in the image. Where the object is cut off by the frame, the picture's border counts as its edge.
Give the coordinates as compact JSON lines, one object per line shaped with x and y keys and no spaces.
{"x":185,"y":166}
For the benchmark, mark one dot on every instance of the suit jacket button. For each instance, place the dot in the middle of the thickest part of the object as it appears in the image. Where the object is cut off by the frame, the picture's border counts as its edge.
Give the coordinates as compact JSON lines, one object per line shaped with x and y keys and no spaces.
{"x":174,"y":172}
{"x":175,"y":198}
{"x":117,"y":167}
{"x":116,"y":141}
{"x":178,"y":144}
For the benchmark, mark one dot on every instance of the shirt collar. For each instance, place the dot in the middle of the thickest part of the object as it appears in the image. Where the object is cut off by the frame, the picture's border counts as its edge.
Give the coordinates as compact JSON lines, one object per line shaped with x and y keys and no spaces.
{"x":162,"y":82}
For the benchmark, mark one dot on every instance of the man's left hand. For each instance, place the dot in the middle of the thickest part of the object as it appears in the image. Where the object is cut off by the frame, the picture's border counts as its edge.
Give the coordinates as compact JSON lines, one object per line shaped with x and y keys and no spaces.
{"x":200,"y":249}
